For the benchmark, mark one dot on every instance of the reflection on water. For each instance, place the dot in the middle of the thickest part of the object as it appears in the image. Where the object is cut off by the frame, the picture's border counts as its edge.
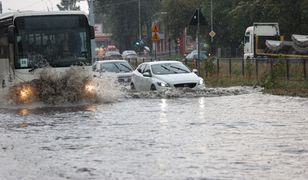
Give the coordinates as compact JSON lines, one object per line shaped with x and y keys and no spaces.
{"x":163,"y":115}
{"x":248,"y":136}
{"x":23,"y":111}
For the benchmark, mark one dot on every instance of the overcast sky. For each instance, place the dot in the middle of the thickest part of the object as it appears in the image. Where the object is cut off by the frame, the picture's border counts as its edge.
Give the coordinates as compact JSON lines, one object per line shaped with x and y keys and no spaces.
{"x":38,"y":5}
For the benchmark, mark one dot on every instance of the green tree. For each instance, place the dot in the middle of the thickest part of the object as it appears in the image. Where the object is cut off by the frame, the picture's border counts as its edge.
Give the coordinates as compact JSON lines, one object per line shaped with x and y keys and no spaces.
{"x":124,"y":17}
{"x":179,"y":14}
{"x":68,"y":5}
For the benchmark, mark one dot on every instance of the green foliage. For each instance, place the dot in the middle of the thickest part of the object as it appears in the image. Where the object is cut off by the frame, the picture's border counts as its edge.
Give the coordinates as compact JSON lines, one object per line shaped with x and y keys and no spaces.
{"x":248,"y":68}
{"x":179,"y":14}
{"x":209,"y":65}
{"x":271,"y":80}
{"x":230,"y":18}
{"x":68,"y":5}
{"x":124,"y":19}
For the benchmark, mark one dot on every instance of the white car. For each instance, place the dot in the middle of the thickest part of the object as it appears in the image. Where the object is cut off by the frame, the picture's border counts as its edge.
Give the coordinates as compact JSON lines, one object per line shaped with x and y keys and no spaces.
{"x":129,"y":54}
{"x":194,"y":55}
{"x":160,"y":75}
{"x":119,"y":68}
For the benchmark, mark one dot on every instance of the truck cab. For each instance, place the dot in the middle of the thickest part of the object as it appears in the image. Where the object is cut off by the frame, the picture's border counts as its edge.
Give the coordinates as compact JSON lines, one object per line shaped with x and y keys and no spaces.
{"x":255,"y":37}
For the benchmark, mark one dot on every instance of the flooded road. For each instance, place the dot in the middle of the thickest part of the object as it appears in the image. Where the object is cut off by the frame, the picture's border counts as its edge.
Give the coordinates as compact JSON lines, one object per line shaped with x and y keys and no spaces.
{"x":213,"y":135}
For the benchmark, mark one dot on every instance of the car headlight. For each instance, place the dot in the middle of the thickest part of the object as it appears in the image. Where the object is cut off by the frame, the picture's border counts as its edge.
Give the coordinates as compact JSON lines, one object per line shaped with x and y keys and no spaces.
{"x":163,"y":84}
{"x":201,"y":81}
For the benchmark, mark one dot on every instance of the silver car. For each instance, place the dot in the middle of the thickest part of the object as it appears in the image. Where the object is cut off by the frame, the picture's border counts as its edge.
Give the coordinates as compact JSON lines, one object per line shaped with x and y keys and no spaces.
{"x":120,"y":68}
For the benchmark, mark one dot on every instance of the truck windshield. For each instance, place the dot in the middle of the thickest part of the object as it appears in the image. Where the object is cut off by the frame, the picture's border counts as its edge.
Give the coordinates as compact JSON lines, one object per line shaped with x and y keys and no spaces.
{"x":57,"y":41}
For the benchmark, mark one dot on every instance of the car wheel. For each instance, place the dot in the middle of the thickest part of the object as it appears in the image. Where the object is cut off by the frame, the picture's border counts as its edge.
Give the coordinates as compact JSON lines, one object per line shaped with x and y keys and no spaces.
{"x":153,"y":88}
{"x":132,"y":86}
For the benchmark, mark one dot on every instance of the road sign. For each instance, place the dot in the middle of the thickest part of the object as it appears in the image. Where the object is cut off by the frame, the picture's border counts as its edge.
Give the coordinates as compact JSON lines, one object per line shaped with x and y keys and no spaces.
{"x":197,"y":18}
{"x":155,"y":37}
{"x":155,"y":28}
{"x":212,"y":34}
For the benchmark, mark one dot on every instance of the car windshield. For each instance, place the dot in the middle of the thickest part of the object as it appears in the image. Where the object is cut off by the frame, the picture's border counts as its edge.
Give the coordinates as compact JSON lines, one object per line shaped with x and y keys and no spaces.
{"x":116,"y":67}
{"x":169,"y":68}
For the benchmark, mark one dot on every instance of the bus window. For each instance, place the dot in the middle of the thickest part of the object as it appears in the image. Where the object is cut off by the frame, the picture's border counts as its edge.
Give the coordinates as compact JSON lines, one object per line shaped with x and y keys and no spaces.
{"x":52,"y":40}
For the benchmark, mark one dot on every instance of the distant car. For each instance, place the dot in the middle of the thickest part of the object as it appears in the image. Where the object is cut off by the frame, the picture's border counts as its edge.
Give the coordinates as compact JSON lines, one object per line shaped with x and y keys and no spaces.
{"x":193,"y":55}
{"x":112,"y":55}
{"x":160,"y":75}
{"x":119,"y":68}
{"x":129,"y":54}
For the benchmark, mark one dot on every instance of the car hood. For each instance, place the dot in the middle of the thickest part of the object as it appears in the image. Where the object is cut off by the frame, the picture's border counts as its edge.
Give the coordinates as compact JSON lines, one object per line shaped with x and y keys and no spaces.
{"x":179,"y":78}
{"x":120,"y":74}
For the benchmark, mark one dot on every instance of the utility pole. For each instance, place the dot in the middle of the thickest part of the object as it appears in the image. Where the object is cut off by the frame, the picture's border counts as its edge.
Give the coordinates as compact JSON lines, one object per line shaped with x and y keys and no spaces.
{"x":139,"y":15}
{"x":198,"y":41}
{"x":212,"y":20}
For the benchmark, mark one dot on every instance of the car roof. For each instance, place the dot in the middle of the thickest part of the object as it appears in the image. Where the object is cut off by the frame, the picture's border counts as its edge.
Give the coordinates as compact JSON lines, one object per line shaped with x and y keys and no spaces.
{"x":112,"y":52}
{"x":160,"y":62}
{"x":111,"y":61}
{"x":129,"y":51}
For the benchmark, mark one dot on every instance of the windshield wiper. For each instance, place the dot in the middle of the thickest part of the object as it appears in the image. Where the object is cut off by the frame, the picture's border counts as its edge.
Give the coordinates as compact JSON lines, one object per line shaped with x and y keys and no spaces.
{"x":179,"y":69}
{"x":127,"y":67}
{"x":120,"y":70}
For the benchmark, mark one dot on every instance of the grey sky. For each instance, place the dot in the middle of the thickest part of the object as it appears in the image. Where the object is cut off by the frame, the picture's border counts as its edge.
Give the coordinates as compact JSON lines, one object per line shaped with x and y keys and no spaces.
{"x":38,"y":5}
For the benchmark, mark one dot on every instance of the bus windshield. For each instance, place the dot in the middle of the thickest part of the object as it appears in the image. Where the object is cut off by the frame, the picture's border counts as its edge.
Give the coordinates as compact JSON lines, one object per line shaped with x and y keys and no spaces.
{"x":57,"y":41}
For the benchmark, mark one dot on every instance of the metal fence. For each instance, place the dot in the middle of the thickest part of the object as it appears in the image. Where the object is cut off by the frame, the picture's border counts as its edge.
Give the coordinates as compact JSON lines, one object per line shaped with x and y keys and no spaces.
{"x":288,"y":69}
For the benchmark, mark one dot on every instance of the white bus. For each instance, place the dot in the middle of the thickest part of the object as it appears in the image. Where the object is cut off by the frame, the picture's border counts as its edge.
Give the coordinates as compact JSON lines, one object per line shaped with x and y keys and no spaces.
{"x":32,"y":40}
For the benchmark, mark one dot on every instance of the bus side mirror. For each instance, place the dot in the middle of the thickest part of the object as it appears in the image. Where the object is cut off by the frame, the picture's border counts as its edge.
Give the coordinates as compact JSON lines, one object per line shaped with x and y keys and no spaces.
{"x":92,"y":33}
{"x":11,"y":33}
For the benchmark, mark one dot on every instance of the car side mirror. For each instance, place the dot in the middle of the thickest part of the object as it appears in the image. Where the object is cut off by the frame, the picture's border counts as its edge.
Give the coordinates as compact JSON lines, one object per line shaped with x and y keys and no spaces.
{"x":195,"y":71}
{"x":146,"y":74}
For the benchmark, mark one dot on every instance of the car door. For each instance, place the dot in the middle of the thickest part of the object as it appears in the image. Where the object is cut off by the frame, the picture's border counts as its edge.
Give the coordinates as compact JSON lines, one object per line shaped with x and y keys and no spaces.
{"x":146,"y":81}
{"x":138,"y":76}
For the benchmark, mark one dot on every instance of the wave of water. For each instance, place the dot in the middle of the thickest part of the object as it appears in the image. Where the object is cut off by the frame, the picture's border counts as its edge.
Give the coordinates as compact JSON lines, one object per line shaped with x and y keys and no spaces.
{"x":74,"y":86}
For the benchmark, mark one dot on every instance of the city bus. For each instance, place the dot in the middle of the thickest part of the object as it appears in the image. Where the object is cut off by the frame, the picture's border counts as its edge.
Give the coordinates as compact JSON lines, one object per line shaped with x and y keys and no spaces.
{"x":30,"y":41}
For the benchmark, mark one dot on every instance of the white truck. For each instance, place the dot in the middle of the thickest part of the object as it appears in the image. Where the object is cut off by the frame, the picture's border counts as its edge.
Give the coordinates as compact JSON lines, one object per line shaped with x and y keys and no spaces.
{"x":263,"y":40}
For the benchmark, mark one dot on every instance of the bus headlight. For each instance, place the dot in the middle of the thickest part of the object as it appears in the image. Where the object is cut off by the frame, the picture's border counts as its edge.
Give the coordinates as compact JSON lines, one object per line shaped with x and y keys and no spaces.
{"x":23,"y":93}
{"x":89,"y":88}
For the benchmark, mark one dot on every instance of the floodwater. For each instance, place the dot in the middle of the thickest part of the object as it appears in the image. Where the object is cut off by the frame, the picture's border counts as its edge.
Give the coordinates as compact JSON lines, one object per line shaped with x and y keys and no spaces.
{"x":234,"y":133}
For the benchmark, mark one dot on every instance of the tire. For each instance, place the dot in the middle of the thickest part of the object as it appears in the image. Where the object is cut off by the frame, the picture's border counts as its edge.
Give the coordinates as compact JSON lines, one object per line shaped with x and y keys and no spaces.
{"x":153,"y":88}
{"x":132,"y":86}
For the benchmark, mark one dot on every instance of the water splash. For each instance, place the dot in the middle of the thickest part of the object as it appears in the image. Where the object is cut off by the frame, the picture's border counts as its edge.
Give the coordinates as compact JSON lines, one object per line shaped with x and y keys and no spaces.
{"x":70,"y":87}
{"x":190,"y":93}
